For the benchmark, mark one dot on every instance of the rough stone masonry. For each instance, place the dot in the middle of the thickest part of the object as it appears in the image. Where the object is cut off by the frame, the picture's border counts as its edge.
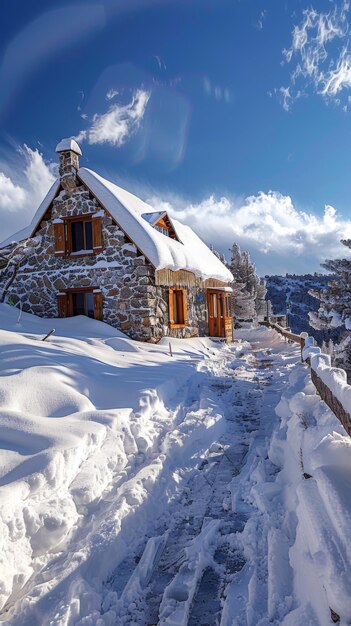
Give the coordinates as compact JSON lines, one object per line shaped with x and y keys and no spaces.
{"x":132,"y":302}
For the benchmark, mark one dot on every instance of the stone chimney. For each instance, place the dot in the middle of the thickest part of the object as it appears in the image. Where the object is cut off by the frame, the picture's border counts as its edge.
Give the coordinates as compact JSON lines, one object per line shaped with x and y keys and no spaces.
{"x":69,"y":152}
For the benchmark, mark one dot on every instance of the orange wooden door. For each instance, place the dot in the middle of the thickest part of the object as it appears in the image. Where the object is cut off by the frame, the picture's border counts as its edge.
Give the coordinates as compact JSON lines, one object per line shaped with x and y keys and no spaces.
{"x":216,"y":313}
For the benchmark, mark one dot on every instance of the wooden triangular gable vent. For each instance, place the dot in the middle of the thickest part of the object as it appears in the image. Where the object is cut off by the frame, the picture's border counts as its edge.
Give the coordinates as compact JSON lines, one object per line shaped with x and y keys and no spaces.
{"x":162,"y":222}
{"x":166,"y":223}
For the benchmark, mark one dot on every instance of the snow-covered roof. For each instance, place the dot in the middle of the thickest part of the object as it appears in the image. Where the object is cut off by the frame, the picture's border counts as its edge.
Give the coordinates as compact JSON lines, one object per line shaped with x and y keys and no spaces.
{"x":68,"y":144}
{"x":190,"y":253}
{"x":163,"y":252}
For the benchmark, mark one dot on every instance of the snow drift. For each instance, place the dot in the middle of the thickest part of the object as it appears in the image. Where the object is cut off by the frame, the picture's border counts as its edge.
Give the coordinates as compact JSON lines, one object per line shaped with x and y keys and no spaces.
{"x":79,"y":414}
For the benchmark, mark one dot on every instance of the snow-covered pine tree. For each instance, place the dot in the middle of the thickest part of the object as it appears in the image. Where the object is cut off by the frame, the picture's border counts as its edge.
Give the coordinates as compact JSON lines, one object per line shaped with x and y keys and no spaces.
{"x":335,"y":307}
{"x":248,"y":289}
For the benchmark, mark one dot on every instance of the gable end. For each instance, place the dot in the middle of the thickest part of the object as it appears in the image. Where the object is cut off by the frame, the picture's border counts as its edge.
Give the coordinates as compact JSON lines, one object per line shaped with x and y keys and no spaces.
{"x":127,"y":236}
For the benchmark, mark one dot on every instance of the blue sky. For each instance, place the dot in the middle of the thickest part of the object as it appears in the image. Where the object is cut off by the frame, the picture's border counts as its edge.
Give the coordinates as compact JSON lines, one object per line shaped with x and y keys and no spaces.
{"x":232,"y":114}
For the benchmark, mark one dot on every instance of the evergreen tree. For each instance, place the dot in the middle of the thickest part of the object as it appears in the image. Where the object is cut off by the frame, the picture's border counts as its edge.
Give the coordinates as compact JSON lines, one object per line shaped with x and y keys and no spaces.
{"x":248,"y":289}
{"x":335,"y":307}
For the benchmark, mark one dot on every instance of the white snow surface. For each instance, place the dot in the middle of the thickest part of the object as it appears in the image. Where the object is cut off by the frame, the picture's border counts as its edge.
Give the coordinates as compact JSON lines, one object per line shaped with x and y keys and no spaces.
{"x":79,"y":415}
{"x":314,"y":454}
{"x":140,"y":488}
{"x":68,"y":144}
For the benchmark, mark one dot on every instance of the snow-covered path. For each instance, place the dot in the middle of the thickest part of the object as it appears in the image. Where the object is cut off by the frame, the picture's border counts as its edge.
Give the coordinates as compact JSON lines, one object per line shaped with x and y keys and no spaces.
{"x":206,"y":488}
{"x":192,"y":553}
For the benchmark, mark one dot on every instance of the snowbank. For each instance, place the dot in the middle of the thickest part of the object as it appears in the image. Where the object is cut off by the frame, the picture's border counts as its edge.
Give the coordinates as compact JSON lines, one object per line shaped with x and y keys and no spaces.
{"x":333,"y":377}
{"x":314,"y":455}
{"x":79,"y":415}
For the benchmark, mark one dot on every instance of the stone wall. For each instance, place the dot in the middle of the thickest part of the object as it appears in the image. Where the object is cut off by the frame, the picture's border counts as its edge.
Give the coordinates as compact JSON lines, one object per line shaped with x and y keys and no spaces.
{"x":131,"y":300}
{"x":196,"y":313}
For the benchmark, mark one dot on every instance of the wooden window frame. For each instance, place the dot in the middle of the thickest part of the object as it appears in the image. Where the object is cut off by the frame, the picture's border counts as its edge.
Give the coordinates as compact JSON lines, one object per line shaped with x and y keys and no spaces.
{"x":68,"y":305}
{"x":68,"y":221}
{"x":172,"y":323}
{"x":162,"y":229}
{"x":63,"y":236}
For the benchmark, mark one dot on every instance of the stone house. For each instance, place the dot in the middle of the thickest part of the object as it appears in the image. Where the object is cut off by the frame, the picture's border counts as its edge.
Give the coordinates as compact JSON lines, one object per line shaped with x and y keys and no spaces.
{"x":95,"y":249}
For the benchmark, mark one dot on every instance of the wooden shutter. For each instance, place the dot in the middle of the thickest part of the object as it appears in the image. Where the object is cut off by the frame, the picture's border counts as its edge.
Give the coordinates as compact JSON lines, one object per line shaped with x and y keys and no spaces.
{"x":229,"y":306}
{"x":177,"y":307}
{"x":59,"y":236}
{"x":98,"y":305}
{"x":185,"y":316}
{"x":97,"y":234}
{"x":62,"y":304}
{"x":171,"y":306}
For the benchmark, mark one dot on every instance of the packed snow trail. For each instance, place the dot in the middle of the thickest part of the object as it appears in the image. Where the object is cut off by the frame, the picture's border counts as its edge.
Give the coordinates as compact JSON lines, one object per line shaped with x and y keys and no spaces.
{"x":197,"y":535}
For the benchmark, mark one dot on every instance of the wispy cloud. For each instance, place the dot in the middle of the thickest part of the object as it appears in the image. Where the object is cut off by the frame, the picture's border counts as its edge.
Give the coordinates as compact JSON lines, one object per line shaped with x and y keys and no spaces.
{"x":279,"y":236}
{"x":285,"y":97}
{"x":119,"y":123}
{"x":112,"y":93}
{"x":82,"y":95}
{"x":260,"y":22}
{"x":319,"y":49}
{"x":340,"y":77}
{"x":161,"y":64}
{"x":218,"y":92}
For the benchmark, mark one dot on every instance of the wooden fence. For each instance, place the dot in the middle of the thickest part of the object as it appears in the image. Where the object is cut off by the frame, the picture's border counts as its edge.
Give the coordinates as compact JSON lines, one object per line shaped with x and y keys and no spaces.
{"x":323,"y":390}
{"x":286,"y":333}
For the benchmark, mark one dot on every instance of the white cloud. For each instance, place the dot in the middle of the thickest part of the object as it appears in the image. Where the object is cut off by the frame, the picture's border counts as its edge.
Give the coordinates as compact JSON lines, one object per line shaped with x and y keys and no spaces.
{"x":340,"y":77}
{"x":315,"y":48}
{"x":12,"y":196}
{"x":279,"y":236}
{"x":38,"y":174}
{"x":285,"y":97}
{"x":261,"y":20}
{"x":22,"y":190}
{"x":161,"y":64}
{"x":111,"y":94}
{"x":119,"y":123}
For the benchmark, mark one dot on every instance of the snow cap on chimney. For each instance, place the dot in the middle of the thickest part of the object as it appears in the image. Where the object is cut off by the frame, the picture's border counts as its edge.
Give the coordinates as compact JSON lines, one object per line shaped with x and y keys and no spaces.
{"x":70,"y":145}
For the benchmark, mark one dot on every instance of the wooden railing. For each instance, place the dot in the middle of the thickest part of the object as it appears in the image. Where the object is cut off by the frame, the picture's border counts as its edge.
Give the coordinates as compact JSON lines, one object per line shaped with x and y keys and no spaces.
{"x":332,"y":402}
{"x":322,"y":389}
{"x":286,"y":333}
